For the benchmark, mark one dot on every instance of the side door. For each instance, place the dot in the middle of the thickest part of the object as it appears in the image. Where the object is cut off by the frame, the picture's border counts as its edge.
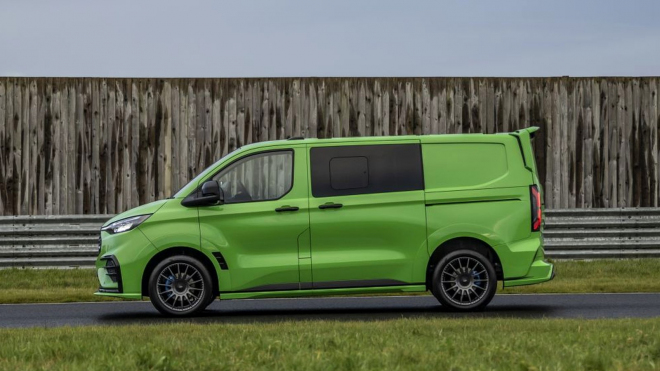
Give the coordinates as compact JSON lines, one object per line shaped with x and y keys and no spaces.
{"x":367,"y":213}
{"x":265,"y":211}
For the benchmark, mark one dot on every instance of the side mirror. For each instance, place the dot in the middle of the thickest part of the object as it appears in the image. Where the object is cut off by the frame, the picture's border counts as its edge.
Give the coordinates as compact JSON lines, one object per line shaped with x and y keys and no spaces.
{"x":211,"y":194}
{"x":211,"y":188}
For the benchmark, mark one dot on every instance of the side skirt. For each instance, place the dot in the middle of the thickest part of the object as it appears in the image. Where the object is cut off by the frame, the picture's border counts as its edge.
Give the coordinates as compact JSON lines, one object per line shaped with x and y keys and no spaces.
{"x":322,"y":292}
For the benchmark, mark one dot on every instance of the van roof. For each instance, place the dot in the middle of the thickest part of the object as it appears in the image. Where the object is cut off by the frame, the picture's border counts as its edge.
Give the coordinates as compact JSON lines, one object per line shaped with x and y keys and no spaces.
{"x":423,"y":138}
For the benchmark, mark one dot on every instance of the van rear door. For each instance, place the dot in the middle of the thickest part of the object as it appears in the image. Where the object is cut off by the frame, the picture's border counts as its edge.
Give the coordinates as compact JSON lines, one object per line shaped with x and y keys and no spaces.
{"x":524,"y":137}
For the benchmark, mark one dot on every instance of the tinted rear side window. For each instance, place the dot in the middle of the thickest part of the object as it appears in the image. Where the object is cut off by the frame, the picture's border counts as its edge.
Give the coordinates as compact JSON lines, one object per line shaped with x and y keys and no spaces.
{"x":353,"y":170}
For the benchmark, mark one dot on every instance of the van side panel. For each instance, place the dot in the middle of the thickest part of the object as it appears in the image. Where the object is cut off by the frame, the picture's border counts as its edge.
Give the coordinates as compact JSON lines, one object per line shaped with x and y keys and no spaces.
{"x":498,"y":223}
{"x":455,"y":164}
{"x":479,"y":188}
{"x":471,"y":165}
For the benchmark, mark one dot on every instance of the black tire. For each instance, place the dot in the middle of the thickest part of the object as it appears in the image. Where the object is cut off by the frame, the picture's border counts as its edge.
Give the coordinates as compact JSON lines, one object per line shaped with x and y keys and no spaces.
{"x":464,"y":280}
{"x":180,"y":286}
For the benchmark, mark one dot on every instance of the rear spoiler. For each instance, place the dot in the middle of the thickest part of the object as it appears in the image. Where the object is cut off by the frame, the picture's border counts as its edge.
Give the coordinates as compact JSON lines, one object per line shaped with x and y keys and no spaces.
{"x":524,"y":137}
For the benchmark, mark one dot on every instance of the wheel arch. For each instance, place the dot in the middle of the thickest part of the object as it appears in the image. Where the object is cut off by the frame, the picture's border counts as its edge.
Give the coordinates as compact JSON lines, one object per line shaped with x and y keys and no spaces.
{"x":459,"y":243}
{"x":179,"y":250}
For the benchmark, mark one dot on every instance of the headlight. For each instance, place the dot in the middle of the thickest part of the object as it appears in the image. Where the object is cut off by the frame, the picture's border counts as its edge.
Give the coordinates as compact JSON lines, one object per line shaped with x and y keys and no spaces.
{"x":125,"y":225}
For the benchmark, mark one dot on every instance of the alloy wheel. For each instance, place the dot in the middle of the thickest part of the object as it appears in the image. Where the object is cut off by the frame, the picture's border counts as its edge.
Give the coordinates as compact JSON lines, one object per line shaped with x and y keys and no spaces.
{"x":464,"y":281}
{"x":180,"y":286}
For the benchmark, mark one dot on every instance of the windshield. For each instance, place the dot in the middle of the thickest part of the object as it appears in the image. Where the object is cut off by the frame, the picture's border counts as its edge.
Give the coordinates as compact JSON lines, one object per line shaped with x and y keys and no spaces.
{"x":181,"y":191}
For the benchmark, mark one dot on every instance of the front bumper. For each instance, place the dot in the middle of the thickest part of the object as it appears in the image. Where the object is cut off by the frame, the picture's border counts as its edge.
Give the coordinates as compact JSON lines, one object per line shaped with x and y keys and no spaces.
{"x":120,"y":266}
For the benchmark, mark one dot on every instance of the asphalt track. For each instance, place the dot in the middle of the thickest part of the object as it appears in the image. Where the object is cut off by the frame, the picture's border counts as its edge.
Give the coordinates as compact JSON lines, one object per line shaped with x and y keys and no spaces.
{"x":587,"y":306}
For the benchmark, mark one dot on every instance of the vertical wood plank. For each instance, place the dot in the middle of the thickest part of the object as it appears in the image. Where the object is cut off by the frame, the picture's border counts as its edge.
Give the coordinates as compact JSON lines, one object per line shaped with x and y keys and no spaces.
{"x":123,"y":137}
{"x":547,"y":125}
{"x":49,"y":145}
{"x":71,"y":149}
{"x":645,"y":144}
{"x":557,"y":128}
{"x":136,"y":128}
{"x":165,"y":107}
{"x":613,"y":145}
{"x":96,"y":143}
{"x":588,"y":145}
{"x":63,"y":190}
{"x":174,"y":133}
{"x":153,"y":132}
{"x":14,"y":144}
{"x":81,"y":149}
{"x":34,"y":150}
{"x":653,"y":147}
{"x":191,"y":166}
{"x":623,"y":140}
{"x":5,"y":151}
{"x":571,"y":129}
{"x":110,"y":147}
{"x":25,"y":145}
{"x":183,"y":132}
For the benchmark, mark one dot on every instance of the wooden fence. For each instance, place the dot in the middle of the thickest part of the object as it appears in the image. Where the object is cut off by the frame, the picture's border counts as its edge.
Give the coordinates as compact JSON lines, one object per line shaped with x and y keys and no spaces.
{"x":96,"y":145}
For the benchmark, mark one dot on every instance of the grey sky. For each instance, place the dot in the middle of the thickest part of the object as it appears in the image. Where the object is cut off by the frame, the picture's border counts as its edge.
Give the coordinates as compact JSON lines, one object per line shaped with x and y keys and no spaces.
{"x":329,"y":38}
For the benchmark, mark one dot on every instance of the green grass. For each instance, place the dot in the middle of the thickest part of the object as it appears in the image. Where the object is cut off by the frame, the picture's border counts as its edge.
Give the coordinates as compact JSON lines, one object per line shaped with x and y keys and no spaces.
{"x":606,"y":275}
{"x":69,"y":285}
{"x":48,"y":285}
{"x":401,"y":344}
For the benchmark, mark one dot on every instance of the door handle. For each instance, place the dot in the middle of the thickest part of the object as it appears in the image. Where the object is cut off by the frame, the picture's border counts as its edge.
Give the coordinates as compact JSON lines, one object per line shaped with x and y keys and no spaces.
{"x":287,"y":208}
{"x":330,"y":206}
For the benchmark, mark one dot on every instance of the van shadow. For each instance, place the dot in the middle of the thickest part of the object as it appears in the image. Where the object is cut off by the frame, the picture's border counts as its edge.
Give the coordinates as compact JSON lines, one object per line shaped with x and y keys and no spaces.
{"x":216,"y":314}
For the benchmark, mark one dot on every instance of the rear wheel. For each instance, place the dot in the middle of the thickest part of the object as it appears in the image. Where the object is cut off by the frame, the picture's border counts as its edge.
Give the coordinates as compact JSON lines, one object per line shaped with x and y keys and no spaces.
{"x":180,"y":286}
{"x":464,"y":280}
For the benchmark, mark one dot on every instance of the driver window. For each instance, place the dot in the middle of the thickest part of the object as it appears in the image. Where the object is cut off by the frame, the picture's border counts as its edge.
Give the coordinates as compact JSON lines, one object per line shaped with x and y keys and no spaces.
{"x":260,"y":177}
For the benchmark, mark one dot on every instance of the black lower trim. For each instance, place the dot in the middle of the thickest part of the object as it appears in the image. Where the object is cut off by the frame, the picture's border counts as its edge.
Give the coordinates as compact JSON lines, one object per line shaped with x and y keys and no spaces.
{"x":110,"y":291}
{"x":356,"y":283}
{"x":114,"y":271}
{"x":274,"y":287}
{"x":326,"y":285}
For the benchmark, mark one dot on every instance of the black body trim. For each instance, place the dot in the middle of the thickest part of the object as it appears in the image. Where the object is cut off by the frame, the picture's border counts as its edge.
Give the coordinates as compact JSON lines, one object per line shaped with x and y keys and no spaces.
{"x":273,"y":287}
{"x":117,"y":274}
{"x":522,"y":152}
{"x":109,"y":291}
{"x":472,"y":202}
{"x":287,"y":208}
{"x":357,"y":283}
{"x":325,"y":285}
{"x":221,"y":260}
{"x":330,"y":206}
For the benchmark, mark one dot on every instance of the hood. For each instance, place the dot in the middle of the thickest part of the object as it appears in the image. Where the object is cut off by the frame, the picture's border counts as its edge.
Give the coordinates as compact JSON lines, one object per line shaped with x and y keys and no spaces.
{"x":149,"y":208}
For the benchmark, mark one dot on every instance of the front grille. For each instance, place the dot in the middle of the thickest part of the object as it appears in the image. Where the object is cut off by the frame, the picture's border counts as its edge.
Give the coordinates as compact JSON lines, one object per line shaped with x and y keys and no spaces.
{"x":100,"y":243}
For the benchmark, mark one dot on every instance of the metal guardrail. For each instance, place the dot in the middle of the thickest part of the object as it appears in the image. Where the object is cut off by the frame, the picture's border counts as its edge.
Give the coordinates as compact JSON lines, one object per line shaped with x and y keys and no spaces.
{"x":72,"y":240}
{"x":50,"y":241}
{"x":602,"y":233}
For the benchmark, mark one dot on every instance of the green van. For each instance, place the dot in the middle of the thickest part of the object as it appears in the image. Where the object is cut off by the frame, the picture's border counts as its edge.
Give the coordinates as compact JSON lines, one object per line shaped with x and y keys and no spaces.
{"x":452,"y":214}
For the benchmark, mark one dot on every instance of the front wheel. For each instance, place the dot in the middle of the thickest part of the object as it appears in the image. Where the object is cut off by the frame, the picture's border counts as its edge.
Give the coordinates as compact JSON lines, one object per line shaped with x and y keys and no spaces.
{"x":464,"y":280}
{"x":180,"y":286}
